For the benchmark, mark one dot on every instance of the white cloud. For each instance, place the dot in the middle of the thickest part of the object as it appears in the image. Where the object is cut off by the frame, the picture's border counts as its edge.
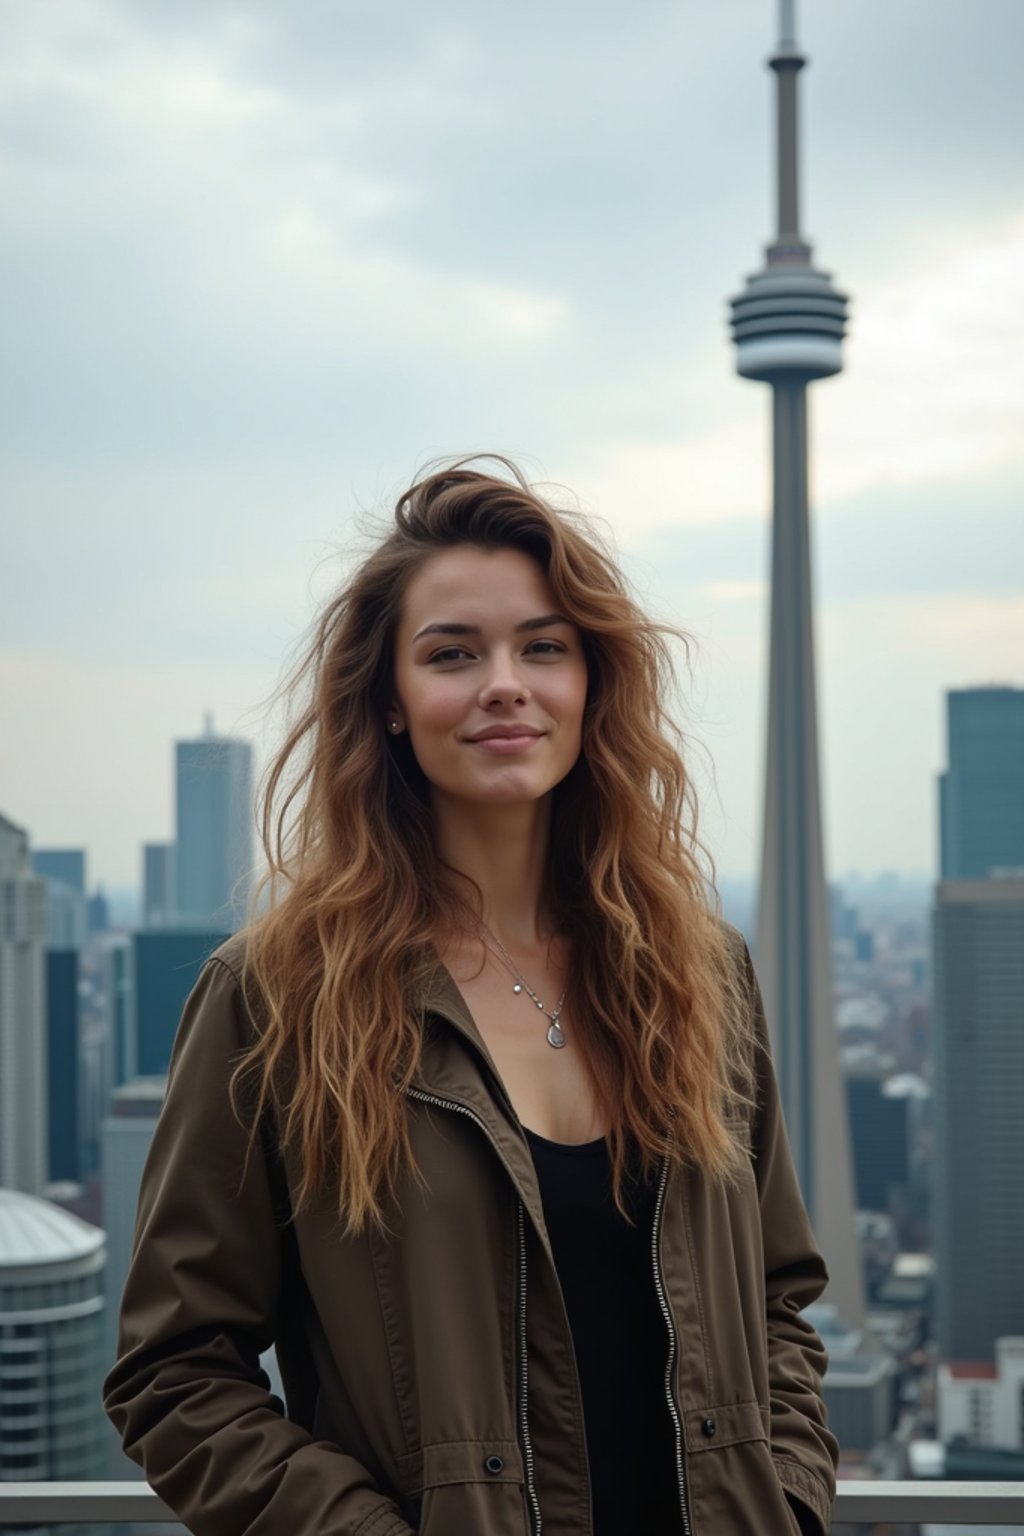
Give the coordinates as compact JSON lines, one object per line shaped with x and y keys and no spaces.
{"x":643,"y":484}
{"x":935,"y":372}
{"x":235,"y":211}
{"x":734,"y":591}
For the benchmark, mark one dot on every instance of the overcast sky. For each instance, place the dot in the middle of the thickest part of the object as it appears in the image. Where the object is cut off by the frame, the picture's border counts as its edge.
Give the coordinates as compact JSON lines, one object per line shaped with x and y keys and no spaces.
{"x":260,"y":262}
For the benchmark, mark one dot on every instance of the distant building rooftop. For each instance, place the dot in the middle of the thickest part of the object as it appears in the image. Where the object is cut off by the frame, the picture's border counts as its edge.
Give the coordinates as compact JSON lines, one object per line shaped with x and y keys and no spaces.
{"x":858,"y":1370}
{"x":139,"y":1099}
{"x":33,"y":1231}
{"x":973,"y":1370}
{"x":913,"y":1266}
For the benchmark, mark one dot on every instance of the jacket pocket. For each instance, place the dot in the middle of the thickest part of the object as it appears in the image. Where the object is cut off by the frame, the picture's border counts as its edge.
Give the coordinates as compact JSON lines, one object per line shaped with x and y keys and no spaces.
{"x":732,"y":1481}
{"x":466,"y":1486}
{"x":473,"y":1509}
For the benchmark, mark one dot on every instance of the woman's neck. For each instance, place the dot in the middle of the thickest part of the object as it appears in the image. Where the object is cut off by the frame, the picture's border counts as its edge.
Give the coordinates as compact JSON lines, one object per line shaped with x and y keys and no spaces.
{"x":504,"y":851}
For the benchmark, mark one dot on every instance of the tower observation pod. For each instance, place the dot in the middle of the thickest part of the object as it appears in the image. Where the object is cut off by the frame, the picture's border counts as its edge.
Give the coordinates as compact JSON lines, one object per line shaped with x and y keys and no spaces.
{"x":788,"y":326}
{"x":790,"y":321}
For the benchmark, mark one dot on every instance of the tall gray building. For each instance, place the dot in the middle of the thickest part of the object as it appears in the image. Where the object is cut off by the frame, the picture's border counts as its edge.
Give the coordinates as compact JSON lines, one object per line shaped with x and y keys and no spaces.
{"x":64,"y":864}
{"x":981,"y":794}
{"x":63,"y":869}
{"x":979,"y":1115}
{"x":159,"y":885}
{"x":23,"y":1084}
{"x":788,"y":326}
{"x":214,"y":816}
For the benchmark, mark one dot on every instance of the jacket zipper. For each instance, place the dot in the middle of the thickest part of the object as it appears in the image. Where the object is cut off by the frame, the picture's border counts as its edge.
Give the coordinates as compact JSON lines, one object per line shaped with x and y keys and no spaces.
{"x":666,"y":1313}
{"x":524,"y":1414}
{"x":524,"y":1418}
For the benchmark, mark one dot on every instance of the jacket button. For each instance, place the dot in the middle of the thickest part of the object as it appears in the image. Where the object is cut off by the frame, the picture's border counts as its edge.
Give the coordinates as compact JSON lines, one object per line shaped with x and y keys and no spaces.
{"x":493,"y":1464}
{"x":709,"y":1427}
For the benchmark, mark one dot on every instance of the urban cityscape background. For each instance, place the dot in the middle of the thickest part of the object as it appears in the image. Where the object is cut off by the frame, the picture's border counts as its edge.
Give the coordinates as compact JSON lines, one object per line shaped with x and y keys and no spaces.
{"x":198,"y":434}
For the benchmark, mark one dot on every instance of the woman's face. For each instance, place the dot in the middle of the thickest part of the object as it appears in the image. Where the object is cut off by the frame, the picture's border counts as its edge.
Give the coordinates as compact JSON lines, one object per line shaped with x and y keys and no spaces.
{"x":490,"y":680}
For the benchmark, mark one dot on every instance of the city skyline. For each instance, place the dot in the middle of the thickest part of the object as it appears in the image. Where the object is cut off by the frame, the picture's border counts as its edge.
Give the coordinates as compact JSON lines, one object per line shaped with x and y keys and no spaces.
{"x":266,"y":269}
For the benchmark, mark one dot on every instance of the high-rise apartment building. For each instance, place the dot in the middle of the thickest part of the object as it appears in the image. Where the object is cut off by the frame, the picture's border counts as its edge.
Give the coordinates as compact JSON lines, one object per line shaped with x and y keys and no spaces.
{"x":979,"y":1119}
{"x":214,"y":816}
{"x":981,"y":794}
{"x":23,"y":1085}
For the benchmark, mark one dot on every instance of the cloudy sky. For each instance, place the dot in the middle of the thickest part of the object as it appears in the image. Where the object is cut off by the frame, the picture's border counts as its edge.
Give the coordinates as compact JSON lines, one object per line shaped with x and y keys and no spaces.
{"x":260,"y":262}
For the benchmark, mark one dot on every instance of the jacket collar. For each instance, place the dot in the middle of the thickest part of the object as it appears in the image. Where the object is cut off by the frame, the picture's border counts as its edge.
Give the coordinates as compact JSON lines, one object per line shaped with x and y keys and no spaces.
{"x":456,"y":1066}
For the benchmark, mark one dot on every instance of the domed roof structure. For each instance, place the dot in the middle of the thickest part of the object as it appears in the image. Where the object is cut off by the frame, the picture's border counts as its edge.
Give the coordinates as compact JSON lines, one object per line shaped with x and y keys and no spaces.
{"x":33,"y":1231}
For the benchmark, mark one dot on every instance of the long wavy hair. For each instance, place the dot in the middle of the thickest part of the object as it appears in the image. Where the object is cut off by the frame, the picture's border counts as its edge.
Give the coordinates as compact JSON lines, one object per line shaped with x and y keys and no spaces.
{"x":355,"y":899}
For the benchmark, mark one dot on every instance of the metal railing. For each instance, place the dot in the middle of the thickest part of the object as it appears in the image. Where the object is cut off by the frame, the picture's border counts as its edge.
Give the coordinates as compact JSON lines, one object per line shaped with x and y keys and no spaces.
{"x":868,"y":1503}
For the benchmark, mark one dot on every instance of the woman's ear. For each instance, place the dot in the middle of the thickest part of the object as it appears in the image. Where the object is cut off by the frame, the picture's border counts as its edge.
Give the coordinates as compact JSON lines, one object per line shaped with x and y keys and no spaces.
{"x":395,"y":720}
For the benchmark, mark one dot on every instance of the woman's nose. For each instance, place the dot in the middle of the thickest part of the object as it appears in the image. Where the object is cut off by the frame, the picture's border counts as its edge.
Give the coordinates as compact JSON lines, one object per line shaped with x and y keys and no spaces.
{"x":504,"y":683}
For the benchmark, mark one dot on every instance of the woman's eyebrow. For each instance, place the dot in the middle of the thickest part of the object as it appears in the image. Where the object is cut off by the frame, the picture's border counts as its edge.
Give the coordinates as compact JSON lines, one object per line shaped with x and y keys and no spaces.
{"x":545,"y":621}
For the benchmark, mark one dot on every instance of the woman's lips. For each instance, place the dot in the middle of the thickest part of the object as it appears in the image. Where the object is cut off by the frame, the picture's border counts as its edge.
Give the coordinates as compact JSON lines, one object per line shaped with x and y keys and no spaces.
{"x":505,"y":746}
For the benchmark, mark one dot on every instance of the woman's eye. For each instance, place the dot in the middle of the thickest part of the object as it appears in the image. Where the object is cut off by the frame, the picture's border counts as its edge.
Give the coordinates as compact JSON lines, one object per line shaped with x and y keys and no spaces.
{"x":546,"y":648}
{"x":450,"y":653}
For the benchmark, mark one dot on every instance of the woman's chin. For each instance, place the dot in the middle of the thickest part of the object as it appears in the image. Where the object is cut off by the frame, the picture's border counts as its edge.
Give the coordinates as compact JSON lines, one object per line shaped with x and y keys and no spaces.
{"x":504,"y":788}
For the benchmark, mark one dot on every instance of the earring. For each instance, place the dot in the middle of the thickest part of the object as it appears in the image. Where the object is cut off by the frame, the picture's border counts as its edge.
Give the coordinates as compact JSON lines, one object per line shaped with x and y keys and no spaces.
{"x":393,"y":725}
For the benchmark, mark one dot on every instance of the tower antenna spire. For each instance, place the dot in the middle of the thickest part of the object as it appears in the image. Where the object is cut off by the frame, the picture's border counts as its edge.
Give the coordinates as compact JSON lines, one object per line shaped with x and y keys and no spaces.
{"x":787,"y":23}
{"x":786,"y":63}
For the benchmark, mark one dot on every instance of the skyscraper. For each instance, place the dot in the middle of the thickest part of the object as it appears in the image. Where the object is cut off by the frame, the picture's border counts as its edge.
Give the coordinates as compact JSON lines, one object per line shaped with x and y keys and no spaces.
{"x":979,"y":1120}
{"x":981,"y":794}
{"x":159,"y":885}
{"x":63,"y":869}
{"x":213,"y":800}
{"x":23,"y":1087}
{"x":64,"y":864}
{"x":788,"y":325}
{"x":62,"y":1052}
{"x":880,"y":1133}
{"x":165,"y":964}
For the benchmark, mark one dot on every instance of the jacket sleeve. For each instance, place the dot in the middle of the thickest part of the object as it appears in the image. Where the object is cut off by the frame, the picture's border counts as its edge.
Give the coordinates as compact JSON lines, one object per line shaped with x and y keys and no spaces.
{"x":804,"y":1450}
{"x":187,"y":1394}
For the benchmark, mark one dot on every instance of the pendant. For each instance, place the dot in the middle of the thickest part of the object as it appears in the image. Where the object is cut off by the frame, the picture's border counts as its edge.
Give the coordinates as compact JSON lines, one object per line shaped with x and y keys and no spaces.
{"x":556,"y":1038}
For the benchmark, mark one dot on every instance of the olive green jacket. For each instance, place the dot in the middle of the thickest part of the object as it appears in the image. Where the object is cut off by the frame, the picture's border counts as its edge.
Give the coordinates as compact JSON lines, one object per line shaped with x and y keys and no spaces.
{"x":429,"y":1375}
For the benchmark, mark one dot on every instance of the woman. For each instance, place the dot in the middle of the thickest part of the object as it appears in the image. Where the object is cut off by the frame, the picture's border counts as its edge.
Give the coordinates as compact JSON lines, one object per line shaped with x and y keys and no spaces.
{"x":500,"y":1166}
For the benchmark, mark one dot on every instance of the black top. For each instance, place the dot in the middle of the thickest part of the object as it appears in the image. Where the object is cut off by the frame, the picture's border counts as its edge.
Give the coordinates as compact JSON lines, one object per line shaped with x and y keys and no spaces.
{"x":606,"y":1271}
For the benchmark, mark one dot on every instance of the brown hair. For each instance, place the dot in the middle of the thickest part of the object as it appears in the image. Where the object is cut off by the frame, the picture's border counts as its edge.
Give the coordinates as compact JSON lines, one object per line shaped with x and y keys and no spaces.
{"x":340,"y":956}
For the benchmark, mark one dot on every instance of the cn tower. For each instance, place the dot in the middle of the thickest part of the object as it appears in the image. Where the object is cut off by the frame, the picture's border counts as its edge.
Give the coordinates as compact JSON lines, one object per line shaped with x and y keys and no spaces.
{"x":788,"y":325}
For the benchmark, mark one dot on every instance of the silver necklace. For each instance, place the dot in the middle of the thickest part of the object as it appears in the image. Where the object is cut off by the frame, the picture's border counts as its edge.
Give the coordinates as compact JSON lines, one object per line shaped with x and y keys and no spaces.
{"x":555,"y":1034}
